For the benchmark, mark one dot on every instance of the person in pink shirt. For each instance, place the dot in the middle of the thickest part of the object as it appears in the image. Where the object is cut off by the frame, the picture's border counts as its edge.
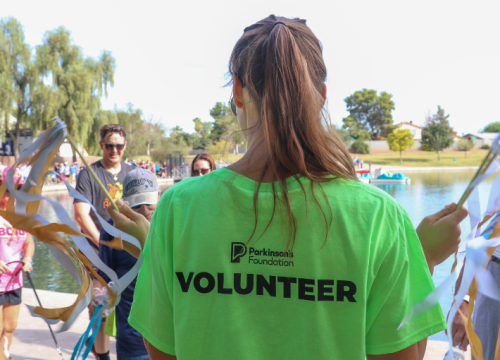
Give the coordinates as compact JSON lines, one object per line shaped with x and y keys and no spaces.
{"x":13,"y":243}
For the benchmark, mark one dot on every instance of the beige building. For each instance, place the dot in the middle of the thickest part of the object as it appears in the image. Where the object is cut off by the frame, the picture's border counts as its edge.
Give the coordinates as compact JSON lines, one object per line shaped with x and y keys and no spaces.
{"x":414,"y":129}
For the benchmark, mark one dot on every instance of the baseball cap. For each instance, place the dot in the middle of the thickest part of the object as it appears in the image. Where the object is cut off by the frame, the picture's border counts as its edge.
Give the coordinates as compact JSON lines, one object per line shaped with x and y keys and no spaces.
{"x":140,"y":187}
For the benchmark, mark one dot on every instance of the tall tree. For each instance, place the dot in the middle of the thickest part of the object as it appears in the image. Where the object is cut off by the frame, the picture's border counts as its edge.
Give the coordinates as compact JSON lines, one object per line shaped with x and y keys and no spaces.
{"x":225,"y":126}
{"x":465,"y":145}
{"x":201,"y":143}
{"x":400,"y":140}
{"x":223,"y":116}
{"x":101,"y":118}
{"x":78,"y":82}
{"x":207,"y":129}
{"x":154,"y":131}
{"x":342,"y":134}
{"x":493,"y":127}
{"x":131,"y":120}
{"x":437,"y":134}
{"x":370,"y":114}
{"x":20,"y":85}
{"x":163,"y":148}
{"x":198,"y":126}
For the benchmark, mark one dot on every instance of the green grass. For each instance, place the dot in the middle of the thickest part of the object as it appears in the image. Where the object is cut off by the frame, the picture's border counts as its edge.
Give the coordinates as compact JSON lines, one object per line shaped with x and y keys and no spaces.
{"x":413,"y":158}
{"x":426,"y":158}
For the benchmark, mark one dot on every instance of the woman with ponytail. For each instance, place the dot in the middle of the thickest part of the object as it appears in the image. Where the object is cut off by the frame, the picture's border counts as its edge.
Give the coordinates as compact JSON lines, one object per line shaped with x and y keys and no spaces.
{"x":284,"y":254}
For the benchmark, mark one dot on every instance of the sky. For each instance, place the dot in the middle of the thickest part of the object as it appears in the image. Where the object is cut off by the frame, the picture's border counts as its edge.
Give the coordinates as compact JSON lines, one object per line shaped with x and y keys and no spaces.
{"x":172,"y":56}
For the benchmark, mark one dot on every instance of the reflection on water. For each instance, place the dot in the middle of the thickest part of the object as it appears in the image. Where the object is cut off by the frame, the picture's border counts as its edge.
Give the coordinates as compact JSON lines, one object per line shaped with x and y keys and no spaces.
{"x":47,"y":273}
{"x":428,"y":193}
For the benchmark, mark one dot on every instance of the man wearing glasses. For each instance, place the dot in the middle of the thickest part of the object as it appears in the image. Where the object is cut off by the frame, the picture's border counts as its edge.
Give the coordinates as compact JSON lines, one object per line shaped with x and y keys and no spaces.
{"x":111,"y":171}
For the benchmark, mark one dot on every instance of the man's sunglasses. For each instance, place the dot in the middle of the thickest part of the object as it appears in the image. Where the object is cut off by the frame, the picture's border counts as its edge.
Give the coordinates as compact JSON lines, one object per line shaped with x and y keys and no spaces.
{"x":233,"y":105}
{"x":201,"y":171}
{"x":119,"y":147}
{"x":137,"y":207}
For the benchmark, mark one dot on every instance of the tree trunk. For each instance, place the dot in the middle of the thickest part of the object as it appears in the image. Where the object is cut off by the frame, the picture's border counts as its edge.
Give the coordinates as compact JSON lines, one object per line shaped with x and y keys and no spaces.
{"x":15,"y":146}
{"x":148,"y":149}
{"x":400,"y":157}
{"x":74,"y":154}
{"x":439,"y":157}
{"x":17,"y":133}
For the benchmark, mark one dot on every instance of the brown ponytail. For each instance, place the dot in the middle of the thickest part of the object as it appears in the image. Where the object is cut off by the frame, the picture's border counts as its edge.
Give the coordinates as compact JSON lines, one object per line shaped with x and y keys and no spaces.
{"x":280,"y":63}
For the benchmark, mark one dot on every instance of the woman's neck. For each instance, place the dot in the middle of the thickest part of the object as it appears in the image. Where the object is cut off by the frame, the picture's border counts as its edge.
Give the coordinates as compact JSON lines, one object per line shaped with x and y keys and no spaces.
{"x":256,"y":158}
{"x":254,"y":162}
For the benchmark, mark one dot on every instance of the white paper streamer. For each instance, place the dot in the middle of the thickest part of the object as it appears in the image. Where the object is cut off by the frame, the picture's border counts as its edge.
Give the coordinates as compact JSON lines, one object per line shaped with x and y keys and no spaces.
{"x":45,"y":144}
{"x":473,"y":248}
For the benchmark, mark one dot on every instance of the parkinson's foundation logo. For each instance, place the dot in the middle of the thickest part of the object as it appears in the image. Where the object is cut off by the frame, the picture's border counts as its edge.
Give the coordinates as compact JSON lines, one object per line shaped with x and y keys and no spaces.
{"x":258,"y":256}
{"x":238,"y":249}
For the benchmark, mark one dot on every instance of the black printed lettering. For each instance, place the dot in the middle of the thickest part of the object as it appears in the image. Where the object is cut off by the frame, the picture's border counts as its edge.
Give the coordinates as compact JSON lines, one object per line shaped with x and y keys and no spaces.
{"x":182,"y":281}
{"x":220,"y":285}
{"x":305,"y":287}
{"x":197,"y":282}
{"x":287,"y":285}
{"x":270,"y":286}
{"x":323,"y":290}
{"x":342,"y":292}
{"x":205,"y":283}
{"x":237,"y":284}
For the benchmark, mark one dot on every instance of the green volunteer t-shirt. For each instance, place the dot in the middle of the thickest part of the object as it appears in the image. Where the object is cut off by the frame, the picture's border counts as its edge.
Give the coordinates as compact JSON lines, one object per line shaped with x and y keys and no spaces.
{"x":206,"y":292}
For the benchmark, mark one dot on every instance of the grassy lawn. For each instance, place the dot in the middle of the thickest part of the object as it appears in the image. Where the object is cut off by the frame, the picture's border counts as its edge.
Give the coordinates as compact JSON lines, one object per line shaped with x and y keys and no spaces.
{"x":411,"y":158}
{"x":426,"y":158}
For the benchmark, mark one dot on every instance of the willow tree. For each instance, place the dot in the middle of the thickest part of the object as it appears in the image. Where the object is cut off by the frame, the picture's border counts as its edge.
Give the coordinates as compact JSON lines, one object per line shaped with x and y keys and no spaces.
{"x":78,"y":82}
{"x":20,"y":84}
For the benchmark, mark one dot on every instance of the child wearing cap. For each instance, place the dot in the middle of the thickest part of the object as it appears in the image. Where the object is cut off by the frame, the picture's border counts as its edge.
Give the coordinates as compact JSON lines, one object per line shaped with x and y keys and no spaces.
{"x":140,"y":190}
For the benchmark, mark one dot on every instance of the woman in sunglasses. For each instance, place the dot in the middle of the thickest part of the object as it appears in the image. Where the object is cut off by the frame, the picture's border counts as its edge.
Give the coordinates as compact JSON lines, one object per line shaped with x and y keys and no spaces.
{"x":285,"y":254}
{"x":202,"y":164}
{"x":13,"y":243}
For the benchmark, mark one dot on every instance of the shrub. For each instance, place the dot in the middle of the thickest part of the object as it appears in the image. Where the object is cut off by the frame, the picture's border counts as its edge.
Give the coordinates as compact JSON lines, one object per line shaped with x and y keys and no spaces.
{"x":360,"y":147}
{"x":464,"y":145}
{"x":485,"y":147}
{"x":426,"y":147}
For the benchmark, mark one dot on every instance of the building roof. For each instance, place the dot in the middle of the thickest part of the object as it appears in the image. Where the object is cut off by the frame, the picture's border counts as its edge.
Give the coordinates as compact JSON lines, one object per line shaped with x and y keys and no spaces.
{"x":409,"y":124}
{"x":482,"y":136}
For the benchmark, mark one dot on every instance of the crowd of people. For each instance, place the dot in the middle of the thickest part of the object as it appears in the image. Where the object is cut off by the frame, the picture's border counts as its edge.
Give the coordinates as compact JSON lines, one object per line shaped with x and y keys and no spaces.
{"x":136,"y":184}
{"x":281,"y":255}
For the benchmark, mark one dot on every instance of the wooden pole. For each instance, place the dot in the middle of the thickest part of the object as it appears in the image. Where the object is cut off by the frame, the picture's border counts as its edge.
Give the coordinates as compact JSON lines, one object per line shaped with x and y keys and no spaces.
{"x":488,"y":159}
{"x":89,"y":168}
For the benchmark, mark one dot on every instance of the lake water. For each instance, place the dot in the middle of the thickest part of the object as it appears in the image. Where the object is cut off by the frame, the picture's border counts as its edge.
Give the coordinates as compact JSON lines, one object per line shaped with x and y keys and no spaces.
{"x":428,"y":193}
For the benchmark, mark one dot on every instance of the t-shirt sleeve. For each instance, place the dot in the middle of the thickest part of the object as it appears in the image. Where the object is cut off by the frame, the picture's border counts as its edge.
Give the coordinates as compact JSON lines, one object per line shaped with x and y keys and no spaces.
{"x":83,"y":185}
{"x":402,"y":279}
{"x":152,"y":312}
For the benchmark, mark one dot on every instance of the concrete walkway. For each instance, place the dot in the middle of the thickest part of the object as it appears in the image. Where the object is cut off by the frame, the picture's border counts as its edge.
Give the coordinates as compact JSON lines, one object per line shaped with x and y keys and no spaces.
{"x":32,"y":338}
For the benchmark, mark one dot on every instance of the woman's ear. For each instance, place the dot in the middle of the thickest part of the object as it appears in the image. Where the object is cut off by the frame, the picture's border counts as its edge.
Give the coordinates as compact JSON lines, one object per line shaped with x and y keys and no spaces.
{"x":323,"y":90}
{"x":237,"y":91}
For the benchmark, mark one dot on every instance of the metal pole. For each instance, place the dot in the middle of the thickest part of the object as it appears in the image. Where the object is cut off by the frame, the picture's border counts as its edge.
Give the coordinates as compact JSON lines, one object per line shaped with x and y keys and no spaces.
{"x":39,"y":303}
